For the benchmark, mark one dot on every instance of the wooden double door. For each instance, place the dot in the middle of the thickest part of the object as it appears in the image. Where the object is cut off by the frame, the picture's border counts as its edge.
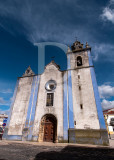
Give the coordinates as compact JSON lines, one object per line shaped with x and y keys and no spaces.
{"x":49,"y":130}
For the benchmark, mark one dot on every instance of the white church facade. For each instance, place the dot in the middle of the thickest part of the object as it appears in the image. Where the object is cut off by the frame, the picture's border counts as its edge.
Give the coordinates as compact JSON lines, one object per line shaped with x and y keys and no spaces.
{"x":59,"y":106}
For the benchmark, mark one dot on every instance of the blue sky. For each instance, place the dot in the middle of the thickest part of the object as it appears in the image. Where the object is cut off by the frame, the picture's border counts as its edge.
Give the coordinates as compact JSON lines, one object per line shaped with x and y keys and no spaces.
{"x":23,"y":23}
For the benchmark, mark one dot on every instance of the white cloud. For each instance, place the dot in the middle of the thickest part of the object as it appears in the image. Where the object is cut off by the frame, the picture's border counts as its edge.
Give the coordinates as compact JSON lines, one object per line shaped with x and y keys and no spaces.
{"x":111,"y":2}
{"x":108,"y":12}
{"x":35,"y":20}
{"x":5,"y":111}
{"x":42,"y":21}
{"x":103,"y":49}
{"x":107,"y":104}
{"x":106,"y":91}
{"x":3,"y":102}
{"x":6,"y":91}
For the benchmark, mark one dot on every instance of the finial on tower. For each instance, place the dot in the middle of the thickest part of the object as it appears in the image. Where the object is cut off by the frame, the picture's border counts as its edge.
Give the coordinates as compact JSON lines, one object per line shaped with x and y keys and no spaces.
{"x":87,"y":45}
{"x":78,"y":46}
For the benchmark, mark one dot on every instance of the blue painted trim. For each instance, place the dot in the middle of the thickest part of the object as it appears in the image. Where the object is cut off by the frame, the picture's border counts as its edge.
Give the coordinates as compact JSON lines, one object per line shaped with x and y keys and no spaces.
{"x":90,"y":59}
{"x":70,"y":98}
{"x":70,"y":101}
{"x":30,"y":104}
{"x":96,"y":94}
{"x":33,"y":107}
{"x":13,"y":100}
{"x":65,"y":109}
{"x":14,"y":137}
{"x":68,"y":61}
{"x":97,"y":99}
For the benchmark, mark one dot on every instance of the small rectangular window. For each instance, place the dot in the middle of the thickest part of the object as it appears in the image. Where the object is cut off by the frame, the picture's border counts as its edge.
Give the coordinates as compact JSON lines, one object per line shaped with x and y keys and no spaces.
{"x":81,"y":106}
{"x":78,"y":76}
{"x":79,"y":87}
{"x":50,"y":97}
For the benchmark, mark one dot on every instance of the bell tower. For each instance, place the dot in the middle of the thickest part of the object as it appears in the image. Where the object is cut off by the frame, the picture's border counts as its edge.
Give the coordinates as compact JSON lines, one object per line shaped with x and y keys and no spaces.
{"x":78,"y":55}
{"x":85,"y":111}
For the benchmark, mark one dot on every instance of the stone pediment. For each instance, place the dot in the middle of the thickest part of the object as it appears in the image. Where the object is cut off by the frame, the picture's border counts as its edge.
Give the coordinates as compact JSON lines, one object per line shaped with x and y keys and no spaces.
{"x":28,"y":72}
{"x":52,"y":65}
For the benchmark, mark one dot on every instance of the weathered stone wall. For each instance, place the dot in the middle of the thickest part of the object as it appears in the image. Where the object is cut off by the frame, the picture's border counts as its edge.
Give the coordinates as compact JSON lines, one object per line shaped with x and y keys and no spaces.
{"x":20,"y":106}
{"x":91,"y":136}
{"x":82,"y":90}
{"x":87,"y":116}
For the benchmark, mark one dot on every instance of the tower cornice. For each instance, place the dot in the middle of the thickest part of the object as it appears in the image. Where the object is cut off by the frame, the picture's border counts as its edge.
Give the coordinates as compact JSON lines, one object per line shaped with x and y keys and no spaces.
{"x":79,"y":47}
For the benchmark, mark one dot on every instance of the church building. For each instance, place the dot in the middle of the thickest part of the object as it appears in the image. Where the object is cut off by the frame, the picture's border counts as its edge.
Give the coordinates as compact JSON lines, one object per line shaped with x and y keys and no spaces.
{"x":59,"y":106}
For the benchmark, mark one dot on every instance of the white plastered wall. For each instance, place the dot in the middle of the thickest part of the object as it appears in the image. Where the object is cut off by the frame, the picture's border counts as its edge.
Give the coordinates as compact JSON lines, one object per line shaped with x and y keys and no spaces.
{"x":51,"y":72}
{"x":87,"y":117}
{"x":20,"y":107}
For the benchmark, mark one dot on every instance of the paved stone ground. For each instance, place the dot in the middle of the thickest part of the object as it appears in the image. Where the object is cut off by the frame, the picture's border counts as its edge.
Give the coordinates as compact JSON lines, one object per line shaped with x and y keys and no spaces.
{"x":48,"y":151}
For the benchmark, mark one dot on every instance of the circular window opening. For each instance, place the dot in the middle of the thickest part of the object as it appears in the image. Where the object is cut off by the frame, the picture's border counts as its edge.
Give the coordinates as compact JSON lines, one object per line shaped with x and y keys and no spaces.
{"x":50,"y":85}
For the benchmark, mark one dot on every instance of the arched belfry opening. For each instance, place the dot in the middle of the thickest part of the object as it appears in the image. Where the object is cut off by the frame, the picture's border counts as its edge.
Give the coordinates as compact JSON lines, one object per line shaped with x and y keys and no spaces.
{"x":79,"y":61}
{"x":48,"y":129}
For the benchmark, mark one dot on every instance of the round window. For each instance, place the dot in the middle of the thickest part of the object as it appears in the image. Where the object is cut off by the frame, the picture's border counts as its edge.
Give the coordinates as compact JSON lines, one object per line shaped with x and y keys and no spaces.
{"x":50,"y":85}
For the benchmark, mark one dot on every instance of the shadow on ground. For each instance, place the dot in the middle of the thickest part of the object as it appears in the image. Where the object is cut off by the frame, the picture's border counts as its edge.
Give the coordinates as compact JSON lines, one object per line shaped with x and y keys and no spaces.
{"x":73,"y":153}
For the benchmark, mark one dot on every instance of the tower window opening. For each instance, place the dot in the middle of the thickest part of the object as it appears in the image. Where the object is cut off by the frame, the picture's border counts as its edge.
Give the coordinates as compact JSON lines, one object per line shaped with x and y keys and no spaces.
{"x":50,"y":97}
{"x":75,"y":123}
{"x":79,"y":87}
{"x":79,"y":61}
{"x":81,"y":106}
{"x":78,"y":76}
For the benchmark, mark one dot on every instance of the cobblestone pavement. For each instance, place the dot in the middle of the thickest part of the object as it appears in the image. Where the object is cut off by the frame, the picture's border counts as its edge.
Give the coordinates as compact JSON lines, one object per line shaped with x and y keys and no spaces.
{"x":48,"y":151}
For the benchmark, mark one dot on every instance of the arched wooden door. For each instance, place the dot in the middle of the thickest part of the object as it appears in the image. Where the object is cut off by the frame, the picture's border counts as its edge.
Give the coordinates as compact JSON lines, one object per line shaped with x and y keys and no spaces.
{"x":49,"y":129}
